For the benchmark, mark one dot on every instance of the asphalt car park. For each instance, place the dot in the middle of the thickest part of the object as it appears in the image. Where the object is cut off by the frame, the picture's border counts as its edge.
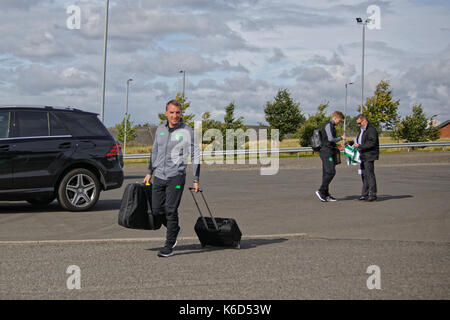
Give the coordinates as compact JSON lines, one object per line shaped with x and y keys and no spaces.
{"x":293,"y":246}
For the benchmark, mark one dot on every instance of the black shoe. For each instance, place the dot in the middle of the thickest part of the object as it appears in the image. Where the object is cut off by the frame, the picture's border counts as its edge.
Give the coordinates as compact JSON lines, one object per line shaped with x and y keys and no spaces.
{"x":362,"y":198}
{"x":321,"y":197}
{"x":165,"y":252}
{"x":372,"y":199}
{"x":331,"y":198}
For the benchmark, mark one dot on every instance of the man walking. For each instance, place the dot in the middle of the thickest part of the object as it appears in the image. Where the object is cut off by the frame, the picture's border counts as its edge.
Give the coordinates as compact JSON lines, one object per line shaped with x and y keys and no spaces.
{"x":368,"y":146}
{"x":327,"y":153}
{"x":173,"y":144}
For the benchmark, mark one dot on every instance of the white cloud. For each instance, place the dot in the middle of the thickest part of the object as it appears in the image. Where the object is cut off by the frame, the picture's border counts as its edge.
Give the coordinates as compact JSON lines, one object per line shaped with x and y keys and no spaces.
{"x":37,"y":79}
{"x":241,"y":51}
{"x":428,"y":84}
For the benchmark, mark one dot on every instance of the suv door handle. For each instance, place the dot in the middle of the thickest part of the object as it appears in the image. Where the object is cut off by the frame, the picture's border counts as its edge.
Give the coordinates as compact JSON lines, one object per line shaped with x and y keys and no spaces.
{"x":4,"y":147}
{"x":64,"y":145}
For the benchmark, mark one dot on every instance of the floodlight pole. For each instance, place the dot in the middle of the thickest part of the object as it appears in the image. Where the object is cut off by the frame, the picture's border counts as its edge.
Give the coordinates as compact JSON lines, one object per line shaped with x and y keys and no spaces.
{"x":184,"y":79}
{"x":363,"y":23}
{"x":345,"y":107}
{"x":105,"y":45}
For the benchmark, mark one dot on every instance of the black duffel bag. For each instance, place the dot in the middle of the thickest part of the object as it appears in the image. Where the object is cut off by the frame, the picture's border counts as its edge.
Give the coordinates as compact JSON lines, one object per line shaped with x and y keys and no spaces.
{"x":336,"y":156}
{"x":136,"y":209}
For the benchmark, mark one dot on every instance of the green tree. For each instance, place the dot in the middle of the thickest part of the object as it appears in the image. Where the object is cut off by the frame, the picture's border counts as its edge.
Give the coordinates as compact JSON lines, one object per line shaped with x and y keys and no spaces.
{"x":315,"y":121}
{"x":284,"y":114}
{"x":208,"y":123}
{"x":187,"y":118}
{"x":381,"y":109}
{"x":229,"y":122}
{"x":416,"y":127}
{"x":131,"y":130}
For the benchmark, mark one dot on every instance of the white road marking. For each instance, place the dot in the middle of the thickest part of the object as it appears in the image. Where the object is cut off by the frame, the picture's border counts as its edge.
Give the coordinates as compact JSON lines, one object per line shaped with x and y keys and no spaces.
{"x":89,"y":241}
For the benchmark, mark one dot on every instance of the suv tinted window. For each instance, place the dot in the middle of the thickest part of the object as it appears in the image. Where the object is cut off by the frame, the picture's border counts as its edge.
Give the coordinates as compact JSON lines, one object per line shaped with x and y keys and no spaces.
{"x":31,"y":124}
{"x":56,"y":127}
{"x":83,"y":124}
{"x":4,"y":124}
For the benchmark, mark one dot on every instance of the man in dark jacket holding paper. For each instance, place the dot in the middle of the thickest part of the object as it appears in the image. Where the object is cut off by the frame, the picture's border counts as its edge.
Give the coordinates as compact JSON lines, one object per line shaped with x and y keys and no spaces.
{"x":368,"y":145}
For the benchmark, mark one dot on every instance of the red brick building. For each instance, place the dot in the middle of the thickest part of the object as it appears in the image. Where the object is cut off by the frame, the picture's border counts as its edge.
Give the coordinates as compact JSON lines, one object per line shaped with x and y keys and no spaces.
{"x":444,"y":128}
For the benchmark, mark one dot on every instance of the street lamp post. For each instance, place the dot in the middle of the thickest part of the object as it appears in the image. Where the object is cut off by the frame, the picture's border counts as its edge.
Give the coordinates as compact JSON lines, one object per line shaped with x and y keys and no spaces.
{"x":184,"y":78}
{"x":126,"y":120}
{"x":105,"y":45}
{"x":363,"y":23}
{"x":345,"y":107}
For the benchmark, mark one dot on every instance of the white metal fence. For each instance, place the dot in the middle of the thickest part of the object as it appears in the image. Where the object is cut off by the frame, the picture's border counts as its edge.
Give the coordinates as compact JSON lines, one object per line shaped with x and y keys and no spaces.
{"x":408,"y":145}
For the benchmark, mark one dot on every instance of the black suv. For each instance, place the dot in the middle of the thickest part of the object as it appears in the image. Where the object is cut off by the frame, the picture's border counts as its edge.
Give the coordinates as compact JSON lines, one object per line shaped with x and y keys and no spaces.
{"x":63,"y":153}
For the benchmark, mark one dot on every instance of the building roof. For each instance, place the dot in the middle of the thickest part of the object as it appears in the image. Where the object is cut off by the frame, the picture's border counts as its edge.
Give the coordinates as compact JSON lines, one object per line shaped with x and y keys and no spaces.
{"x":443,"y":124}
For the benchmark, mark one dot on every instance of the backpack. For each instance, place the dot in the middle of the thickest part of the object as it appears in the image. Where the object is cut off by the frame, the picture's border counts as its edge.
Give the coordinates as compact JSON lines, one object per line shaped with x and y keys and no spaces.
{"x":316,"y":140}
{"x":135,"y":208}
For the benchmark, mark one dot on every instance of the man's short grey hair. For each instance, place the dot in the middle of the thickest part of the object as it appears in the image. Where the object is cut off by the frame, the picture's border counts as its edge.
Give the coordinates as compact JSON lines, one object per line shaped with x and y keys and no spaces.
{"x":174,"y":103}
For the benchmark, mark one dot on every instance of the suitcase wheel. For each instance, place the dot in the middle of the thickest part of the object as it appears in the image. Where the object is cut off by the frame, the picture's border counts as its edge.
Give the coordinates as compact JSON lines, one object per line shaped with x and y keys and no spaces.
{"x":237,"y":244}
{"x":203,"y":244}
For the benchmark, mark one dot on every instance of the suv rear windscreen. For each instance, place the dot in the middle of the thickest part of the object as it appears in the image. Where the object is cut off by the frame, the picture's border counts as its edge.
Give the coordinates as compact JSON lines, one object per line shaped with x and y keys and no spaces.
{"x":4,"y":124}
{"x":83,"y":124}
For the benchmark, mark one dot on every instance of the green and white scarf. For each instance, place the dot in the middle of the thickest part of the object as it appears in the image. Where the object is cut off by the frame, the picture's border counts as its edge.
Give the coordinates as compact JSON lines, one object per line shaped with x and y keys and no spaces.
{"x":352,"y":155}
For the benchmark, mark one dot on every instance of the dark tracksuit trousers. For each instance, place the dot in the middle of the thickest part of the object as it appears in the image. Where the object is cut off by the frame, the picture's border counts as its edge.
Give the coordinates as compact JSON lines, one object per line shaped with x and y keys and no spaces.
{"x":328,"y":169}
{"x":369,"y":149}
{"x":368,"y":179}
{"x":166,"y":198}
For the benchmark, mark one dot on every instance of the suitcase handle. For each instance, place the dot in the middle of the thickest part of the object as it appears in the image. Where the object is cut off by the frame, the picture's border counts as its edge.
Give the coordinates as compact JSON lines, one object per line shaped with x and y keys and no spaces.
{"x":147,"y":197}
{"x":203,"y":218}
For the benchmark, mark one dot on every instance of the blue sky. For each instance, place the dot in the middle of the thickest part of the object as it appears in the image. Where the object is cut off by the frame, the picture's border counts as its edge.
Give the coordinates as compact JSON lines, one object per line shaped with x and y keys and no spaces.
{"x":240,"y":51}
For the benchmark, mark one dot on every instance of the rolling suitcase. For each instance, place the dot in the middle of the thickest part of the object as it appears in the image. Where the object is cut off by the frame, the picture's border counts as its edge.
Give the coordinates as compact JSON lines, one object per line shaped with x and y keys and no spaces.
{"x":135,"y":209}
{"x":216,"y":231}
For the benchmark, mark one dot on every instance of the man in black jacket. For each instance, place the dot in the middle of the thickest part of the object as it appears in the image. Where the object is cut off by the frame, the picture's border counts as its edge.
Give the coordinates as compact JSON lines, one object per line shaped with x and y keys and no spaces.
{"x":368,"y":146}
{"x":327,"y":153}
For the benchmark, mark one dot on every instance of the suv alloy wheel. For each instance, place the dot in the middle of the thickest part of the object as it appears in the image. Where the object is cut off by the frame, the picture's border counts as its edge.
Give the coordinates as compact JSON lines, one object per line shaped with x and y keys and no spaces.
{"x":79,"y":190}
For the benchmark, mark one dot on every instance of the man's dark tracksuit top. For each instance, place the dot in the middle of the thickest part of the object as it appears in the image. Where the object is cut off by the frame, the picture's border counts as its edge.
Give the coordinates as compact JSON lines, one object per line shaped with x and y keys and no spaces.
{"x":171,"y":149}
{"x":329,"y":138}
